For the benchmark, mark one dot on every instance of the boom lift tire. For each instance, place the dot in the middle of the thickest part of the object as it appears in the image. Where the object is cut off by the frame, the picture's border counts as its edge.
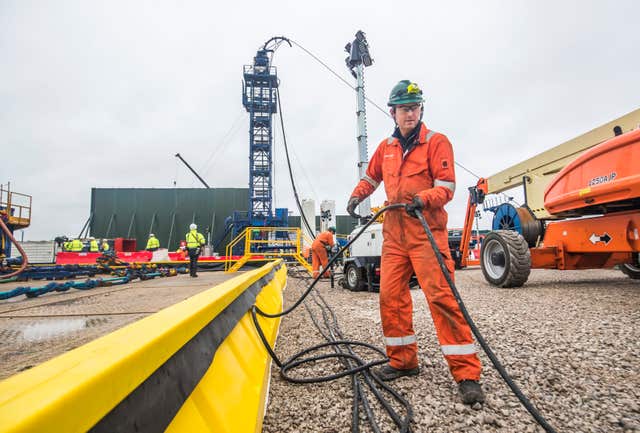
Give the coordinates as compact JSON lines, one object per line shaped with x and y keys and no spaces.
{"x":632,"y":269}
{"x":353,"y":278}
{"x":505,"y":258}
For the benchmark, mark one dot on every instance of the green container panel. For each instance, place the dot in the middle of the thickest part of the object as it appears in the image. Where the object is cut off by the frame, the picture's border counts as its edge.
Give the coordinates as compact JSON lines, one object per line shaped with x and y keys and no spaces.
{"x":136,"y":212}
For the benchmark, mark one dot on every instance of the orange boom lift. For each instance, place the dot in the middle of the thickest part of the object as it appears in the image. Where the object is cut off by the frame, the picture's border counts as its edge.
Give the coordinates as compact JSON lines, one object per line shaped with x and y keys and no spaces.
{"x":581,"y":211}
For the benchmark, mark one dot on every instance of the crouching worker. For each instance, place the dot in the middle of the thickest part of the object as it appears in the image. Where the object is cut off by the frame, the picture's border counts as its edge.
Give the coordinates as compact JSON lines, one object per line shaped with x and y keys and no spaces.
{"x":319,"y":255}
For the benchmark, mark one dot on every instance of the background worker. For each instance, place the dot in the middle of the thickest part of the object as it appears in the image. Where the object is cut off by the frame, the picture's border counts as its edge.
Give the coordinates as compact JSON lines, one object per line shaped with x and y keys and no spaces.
{"x":195,"y":242}
{"x":105,"y":245}
{"x":77,"y":245}
{"x":319,"y":247}
{"x":93,"y":245}
{"x":153,"y":243}
{"x":416,"y":166}
{"x":182,"y":250}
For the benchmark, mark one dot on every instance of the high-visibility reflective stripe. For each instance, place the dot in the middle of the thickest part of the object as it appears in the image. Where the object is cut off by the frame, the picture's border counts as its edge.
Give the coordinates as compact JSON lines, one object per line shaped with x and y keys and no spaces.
{"x":449,"y":185}
{"x":462,"y":349}
{"x":371,"y":181}
{"x":400,"y":341}
{"x":429,"y":135}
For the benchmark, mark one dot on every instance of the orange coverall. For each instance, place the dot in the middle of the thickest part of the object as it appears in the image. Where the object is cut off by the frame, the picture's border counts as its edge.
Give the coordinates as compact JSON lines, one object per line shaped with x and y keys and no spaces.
{"x":426,"y":171}
{"x":319,"y":253}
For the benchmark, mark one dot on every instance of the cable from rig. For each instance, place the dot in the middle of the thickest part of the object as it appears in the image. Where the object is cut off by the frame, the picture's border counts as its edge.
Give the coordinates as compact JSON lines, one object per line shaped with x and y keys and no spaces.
{"x":294,"y":361}
{"x":293,"y":185}
{"x":332,"y":332}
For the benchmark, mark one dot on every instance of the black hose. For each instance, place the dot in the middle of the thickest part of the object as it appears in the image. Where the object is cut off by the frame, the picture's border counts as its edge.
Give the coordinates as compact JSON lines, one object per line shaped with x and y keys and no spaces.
{"x":330,"y":263}
{"x":371,"y":381}
{"x":494,"y":360}
{"x":293,"y":185}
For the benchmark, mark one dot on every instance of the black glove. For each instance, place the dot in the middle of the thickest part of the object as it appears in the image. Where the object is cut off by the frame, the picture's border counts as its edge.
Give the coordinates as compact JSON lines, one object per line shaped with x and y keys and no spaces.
{"x":416,"y":205}
{"x":351,"y":207}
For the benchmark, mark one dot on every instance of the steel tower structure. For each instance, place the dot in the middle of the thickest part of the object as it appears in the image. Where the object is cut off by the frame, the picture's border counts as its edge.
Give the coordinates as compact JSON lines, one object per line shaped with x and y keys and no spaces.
{"x":259,"y":98}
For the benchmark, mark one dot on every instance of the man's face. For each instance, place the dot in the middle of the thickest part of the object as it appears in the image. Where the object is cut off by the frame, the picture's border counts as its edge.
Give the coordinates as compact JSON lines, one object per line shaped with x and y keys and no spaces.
{"x":407,"y":116}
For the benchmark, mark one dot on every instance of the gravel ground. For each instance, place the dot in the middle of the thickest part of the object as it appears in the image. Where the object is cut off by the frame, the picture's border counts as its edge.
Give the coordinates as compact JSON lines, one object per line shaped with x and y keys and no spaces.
{"x":570,"y":340}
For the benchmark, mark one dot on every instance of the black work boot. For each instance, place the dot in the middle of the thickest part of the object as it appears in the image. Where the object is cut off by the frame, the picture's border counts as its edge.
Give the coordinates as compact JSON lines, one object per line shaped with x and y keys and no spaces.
{"x":471,"y":392}
{"x":387,"y":372}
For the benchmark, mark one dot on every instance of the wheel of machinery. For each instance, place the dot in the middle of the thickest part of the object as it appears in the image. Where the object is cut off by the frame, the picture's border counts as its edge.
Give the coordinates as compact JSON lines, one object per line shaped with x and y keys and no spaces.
{"x":505,"y":258}
{"x":632,"y":269}
{"x":353,"y":278}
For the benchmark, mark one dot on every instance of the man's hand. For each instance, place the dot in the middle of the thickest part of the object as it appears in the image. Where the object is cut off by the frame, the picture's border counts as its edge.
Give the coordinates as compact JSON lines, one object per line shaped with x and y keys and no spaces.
{"x":351,"y":207}
{"x":417,"y":205}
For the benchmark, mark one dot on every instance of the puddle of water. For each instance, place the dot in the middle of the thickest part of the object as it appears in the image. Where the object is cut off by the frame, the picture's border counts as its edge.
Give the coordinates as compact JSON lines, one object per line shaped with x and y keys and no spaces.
{"x":52,"y":328}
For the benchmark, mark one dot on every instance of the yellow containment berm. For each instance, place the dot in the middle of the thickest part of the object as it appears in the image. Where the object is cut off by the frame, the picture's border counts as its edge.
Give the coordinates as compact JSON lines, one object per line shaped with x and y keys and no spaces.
{"x":197,"y":366}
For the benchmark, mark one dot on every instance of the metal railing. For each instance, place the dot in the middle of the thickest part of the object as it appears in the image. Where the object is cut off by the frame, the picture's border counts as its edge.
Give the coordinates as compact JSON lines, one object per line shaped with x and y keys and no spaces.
{"x":268,"y":243}
{"x":16,"y":206}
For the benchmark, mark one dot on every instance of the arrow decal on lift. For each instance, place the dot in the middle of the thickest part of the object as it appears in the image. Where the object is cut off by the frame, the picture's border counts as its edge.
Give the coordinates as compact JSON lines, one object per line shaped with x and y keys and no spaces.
{"x":605,"y":238}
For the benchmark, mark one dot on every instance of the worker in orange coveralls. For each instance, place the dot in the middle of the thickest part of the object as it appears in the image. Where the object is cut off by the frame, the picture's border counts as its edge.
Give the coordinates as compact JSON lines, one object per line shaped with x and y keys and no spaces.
{"x":416,"y":166}
{"x":319,"y":251}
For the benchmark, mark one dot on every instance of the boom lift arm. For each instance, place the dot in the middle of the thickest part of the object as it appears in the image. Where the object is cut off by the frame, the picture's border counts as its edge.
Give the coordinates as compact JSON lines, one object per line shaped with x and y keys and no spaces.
{"x":536,"y":173}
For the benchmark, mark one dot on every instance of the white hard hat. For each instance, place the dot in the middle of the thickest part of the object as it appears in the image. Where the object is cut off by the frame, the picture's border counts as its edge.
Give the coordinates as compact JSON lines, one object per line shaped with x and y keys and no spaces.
{"x":92,"y":238}
{"x":193,"y":227}
{"x":151,"y":235}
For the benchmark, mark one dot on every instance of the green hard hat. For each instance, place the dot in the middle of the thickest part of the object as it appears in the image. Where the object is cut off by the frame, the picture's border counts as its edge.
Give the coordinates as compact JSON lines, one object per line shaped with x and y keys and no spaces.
{"x":405,"y":92}
{"x":332,"y":229}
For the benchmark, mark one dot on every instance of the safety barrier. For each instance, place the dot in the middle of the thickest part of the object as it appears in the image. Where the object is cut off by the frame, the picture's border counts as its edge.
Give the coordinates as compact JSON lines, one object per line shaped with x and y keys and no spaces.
{"x":196,"y":366}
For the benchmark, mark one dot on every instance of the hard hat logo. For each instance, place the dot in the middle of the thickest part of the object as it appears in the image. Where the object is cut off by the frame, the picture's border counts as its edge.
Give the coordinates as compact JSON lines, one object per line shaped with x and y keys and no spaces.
{"x":414,"y":89}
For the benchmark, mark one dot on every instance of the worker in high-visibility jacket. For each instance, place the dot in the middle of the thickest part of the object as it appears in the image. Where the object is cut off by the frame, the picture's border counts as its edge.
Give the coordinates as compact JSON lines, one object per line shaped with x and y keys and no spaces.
{"x":77,"y":245}
{"x":66,"y":246}
{"x":105,"y":245}
{"x":321,"y":243}
{"x":93,"y":245}
{"x":417,"y":168}
{"x":195,"y":242}
{"x":153,"y":243}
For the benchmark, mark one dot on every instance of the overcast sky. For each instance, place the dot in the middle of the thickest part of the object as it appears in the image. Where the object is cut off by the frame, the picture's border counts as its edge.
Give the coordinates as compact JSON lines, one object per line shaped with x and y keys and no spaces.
{"x":103,"y":94}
